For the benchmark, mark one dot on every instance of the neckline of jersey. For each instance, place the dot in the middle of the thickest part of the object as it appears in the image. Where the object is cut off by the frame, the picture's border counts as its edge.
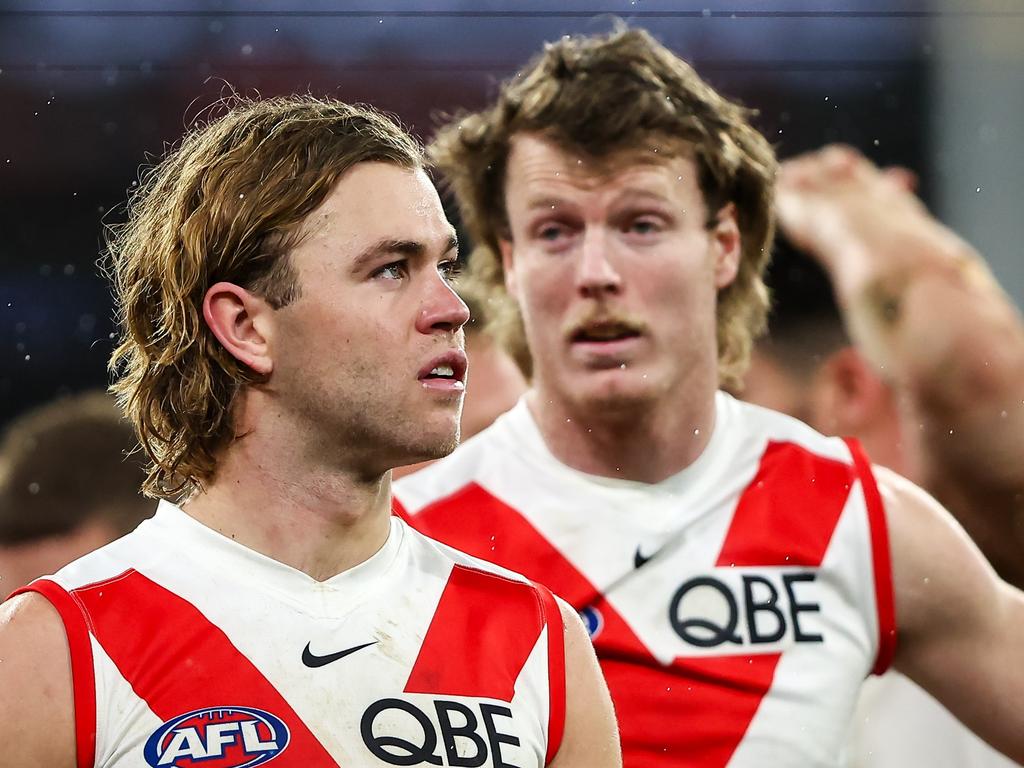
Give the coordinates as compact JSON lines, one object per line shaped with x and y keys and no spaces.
{"x":174,"y":528}
{"x":519,"y":421}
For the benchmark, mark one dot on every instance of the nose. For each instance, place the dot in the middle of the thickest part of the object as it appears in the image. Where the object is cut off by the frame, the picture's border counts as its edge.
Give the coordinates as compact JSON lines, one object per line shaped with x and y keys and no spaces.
{"x":595,"y":274}
{"x":442,"y":309}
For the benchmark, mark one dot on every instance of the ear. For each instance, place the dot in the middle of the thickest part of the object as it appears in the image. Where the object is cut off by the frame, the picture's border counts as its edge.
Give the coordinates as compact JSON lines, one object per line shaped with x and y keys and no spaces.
{"x":238,"y":319}
{"x":725,"y":243}
{"x":507,"y":265}
{"x":858,"y":398}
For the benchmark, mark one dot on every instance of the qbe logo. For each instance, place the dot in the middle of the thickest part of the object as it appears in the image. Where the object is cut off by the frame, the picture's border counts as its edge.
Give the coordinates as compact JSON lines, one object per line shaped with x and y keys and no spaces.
{"x":217,"y":737}
{"x":470,"y":734}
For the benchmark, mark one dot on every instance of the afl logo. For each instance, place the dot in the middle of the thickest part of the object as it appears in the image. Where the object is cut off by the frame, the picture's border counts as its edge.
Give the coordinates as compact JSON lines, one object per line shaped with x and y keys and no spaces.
{"x":592,"y":620}
{"x":220,"y":737}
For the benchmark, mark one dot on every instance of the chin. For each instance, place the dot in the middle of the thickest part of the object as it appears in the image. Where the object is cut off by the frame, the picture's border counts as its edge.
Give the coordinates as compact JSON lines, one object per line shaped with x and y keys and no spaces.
{"x":432,"y":445}
{"x":614,"y":390}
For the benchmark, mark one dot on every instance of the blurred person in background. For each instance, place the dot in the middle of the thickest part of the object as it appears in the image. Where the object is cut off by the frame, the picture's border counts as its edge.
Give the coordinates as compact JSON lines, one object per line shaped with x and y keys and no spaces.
{"x":496,"y":380}
{"x":932,"y":383}
{"x":732,"y":564}
{"x":69,"y":483}
{"x":289,"y":333}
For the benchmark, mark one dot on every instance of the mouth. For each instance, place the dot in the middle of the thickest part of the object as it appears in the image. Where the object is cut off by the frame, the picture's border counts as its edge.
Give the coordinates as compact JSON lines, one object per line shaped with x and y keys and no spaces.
{"x":445,"y":372}
{"x":604,"y":332}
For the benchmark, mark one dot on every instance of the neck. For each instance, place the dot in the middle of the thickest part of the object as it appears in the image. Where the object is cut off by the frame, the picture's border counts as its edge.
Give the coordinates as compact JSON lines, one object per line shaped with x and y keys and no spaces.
{"x":645,"y":442}
{"x":312,"y":517}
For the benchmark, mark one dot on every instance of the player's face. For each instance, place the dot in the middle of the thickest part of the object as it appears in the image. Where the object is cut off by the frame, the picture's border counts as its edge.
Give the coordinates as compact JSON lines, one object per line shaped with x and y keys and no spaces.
{"x":615,"y":271}
{"x":369,"y":359}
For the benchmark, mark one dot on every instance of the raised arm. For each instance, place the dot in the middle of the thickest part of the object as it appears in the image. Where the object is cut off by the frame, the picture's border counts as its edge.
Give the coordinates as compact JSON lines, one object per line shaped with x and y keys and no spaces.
{"x":591,"y":737}
{"x":923,"y":307}
{"x":961,"y":628}
{"x":37,"y":718}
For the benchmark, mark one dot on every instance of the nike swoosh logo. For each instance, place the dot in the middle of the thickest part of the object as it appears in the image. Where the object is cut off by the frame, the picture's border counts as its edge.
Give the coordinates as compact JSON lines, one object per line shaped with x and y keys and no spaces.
{"x":639,"y":558}
{"x":313,"y":661}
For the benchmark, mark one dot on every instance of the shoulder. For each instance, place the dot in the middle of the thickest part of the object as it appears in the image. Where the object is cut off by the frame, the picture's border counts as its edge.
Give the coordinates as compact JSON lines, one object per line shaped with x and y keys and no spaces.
{"x":763,"y":425}
{"x":450,"y":556}
{"x":36,"y":694}
{"x":939,"y":575}
{"x":107,"y":562}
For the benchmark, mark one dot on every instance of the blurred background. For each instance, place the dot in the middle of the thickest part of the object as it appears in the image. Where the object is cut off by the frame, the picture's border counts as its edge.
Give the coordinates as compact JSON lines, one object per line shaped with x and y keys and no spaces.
{"x":90,"y":92}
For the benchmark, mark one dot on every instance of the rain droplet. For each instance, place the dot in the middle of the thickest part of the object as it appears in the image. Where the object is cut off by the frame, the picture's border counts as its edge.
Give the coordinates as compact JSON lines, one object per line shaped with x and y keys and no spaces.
{"x":33,"y":488}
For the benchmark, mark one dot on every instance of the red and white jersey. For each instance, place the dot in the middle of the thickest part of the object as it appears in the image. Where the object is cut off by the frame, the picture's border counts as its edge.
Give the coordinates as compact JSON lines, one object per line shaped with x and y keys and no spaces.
{"x":189,"y":649}
{"x":735,"y":607}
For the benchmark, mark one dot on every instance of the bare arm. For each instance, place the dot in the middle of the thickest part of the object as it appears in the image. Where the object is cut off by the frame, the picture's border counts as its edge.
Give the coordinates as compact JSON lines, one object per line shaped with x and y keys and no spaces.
{"x":37,"y":719}
{"x":922,"y":306}
{"x":591,"y":738}
{"x":961,"y":628}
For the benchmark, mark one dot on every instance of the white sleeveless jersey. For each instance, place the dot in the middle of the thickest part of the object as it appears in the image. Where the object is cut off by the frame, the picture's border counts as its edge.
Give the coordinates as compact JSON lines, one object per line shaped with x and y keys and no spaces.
{"x":189,"y":649}
{"x":735,"y":607}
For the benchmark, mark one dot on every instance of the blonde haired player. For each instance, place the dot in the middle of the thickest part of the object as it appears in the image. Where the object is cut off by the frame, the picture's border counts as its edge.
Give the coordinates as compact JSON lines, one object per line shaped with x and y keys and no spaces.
{"x":740,"y":573}
{"x":289,"y":335}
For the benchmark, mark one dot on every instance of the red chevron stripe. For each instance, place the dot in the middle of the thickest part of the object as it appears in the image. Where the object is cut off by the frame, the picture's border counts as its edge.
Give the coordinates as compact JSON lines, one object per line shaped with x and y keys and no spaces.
{"x":177,"y":661}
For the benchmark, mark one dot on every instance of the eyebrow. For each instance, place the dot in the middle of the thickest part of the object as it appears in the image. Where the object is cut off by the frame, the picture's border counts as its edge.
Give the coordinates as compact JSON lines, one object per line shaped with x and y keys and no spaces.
{"x":407,"y":248}
{"x":546,"y":201}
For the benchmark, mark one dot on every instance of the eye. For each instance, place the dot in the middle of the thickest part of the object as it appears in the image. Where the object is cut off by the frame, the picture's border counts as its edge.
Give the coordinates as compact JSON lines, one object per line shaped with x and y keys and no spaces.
{"x":449,"y":270}
{"x":396,"y":270}
{"x":555,"y":235}
{"x":644,"y":226}
{"x":551,"y":232}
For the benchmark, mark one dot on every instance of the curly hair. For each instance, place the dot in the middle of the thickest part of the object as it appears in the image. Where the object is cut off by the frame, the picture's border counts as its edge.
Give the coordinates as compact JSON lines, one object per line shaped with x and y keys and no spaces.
{"x":226,"y":205}
{"x":600,"y":95}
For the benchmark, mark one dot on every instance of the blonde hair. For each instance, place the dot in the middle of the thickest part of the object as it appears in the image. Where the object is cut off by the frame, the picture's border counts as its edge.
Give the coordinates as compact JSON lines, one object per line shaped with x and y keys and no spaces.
{"x":601,"y":95}
{"x":225,"y":206}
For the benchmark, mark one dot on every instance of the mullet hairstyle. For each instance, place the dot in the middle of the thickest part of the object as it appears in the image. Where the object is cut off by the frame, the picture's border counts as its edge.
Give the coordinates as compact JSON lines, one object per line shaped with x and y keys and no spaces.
{"x":598,"y":96}
{"x":227,"y":205}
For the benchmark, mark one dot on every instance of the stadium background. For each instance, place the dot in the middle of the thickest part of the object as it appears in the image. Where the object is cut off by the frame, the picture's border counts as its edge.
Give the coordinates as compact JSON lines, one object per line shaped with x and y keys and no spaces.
{"x":88,"y":91}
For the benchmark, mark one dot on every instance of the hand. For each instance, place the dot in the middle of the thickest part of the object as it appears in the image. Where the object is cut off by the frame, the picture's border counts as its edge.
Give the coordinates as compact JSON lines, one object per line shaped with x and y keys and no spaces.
{"x":856,"y":219}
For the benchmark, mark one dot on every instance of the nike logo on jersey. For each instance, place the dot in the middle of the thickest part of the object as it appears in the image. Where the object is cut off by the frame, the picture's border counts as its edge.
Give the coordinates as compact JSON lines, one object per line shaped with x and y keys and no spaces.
{"x":313,"y":661}
{"x":639,"y":558}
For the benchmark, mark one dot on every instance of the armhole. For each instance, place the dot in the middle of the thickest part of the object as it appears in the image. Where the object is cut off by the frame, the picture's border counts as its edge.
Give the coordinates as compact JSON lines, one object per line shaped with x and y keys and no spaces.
{"x":880,"y":557}
{"x":556,"y":670}
{"x":83,"y":680}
